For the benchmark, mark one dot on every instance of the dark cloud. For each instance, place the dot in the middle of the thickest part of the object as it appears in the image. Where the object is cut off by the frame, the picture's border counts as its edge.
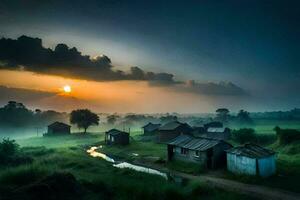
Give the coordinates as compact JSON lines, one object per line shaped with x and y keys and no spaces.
{"x":28,"y":54}
{"x":23,"y":95}
{"x":221,"y":88}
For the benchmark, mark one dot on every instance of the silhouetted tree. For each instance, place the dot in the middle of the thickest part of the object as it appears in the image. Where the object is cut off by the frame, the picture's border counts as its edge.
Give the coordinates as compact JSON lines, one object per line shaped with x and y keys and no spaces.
{"x":84,"y":118}
{"x":244,"y":135}
{"x":15,"y":114}
{"x":168,"y":118}
{"x":8,"y":149}
{"x":287,"y":136}
{"x":222,"y":114}
{"x":244,"y":117}
{"x":111,"y":119}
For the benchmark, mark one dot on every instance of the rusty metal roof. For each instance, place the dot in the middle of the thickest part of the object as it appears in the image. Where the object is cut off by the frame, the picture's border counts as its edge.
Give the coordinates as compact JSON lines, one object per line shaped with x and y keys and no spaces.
{"x":173,"y":125}
{"x":251,"y":150}
{"x":199,"y":144}
{"x":151,"y":127}
{"x":58,"y":124}
{"x":116,"y":132}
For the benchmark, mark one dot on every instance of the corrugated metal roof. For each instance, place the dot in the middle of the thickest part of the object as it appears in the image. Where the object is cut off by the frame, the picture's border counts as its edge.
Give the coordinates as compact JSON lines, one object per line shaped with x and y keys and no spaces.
{"x":189,"y":142}
{"x":172,"y":125}
{"x":151,"y":127}
{"x":116,"y":132}
{"x":216,"y":136}
{"x":61,"y":124}
{"x":251,"y":150}
{"x":216,"y":129}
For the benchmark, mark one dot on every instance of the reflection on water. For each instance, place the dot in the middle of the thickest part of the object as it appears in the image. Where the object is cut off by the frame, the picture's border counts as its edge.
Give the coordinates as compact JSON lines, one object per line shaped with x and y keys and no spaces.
{"x":92,"y":151}
{"x":140,"y":169}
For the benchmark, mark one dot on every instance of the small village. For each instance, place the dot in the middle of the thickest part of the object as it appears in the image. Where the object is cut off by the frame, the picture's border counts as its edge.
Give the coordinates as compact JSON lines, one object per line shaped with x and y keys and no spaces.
{"x":149,"y":100}
{"x":206,"y":146}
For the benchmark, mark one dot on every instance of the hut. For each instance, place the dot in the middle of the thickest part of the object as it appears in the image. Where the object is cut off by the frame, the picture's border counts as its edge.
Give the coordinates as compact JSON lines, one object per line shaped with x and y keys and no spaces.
{"x":251,"y":159}
{"x":115,"y":136}
{"x":213,"y":124}
{"x":218,"y":133}
{"x":58,"y":128}
{"x":198,"y":130}
{"x":171,"y":130}
{"x":207,"y":152}
{"x":151,"y":129}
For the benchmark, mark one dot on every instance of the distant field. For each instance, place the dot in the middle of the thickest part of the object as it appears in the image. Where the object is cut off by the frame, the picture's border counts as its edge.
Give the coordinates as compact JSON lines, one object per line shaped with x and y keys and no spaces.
{"x":61,"y":141}
{"x":267,"y":126}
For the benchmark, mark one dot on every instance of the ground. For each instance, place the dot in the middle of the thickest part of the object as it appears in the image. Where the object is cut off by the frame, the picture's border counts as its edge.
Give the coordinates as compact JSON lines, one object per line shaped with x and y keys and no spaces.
{"x":67,"y":154}
{"x":266,"y":126}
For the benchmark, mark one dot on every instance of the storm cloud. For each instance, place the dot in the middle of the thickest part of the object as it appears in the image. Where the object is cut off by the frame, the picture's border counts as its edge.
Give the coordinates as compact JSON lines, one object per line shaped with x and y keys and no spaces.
{"x":210,"y":88}
{"x":28,"y":54}
{"x":23,"y":95}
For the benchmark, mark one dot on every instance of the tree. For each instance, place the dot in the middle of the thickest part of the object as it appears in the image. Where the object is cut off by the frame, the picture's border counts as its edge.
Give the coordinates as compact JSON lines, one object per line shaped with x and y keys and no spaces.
{"x":222,"y":114}
{"x":168,"y":118}
{"x":8,"y":149}
{"x":15,"y":114}
{"x":84,"y":118}
{"x":244,"y":117}
{"x":244,"y":135}
{"x":111,"y":119}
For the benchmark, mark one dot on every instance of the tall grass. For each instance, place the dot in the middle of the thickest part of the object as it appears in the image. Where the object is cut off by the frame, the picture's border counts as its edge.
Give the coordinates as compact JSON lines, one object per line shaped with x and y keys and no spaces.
{"x":24,"y":174}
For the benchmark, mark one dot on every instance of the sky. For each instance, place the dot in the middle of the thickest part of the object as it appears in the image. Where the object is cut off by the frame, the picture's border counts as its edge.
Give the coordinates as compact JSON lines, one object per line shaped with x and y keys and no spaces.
{"x":151,"y":56}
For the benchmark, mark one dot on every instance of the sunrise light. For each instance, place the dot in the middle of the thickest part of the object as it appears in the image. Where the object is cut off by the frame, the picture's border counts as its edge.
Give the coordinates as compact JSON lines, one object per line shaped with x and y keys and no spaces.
{"x":67,"y":89}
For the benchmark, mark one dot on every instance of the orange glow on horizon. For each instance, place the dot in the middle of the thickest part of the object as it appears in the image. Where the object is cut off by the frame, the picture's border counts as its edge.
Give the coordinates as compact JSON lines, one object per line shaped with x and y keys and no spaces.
{"x":106,"y":96}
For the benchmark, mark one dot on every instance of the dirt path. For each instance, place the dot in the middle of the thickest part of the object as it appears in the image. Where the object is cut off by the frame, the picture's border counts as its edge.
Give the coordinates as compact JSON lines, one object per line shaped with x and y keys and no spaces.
{"x":257,"y":191}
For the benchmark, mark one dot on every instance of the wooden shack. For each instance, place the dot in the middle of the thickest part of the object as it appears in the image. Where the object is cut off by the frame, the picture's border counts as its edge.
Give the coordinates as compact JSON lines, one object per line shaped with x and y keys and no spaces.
{"x":171,"y":130}
{"x":58,"y":128}
{"x":208,"y":153}
{"x":217,"y":133}
{"x":115,"y":136}
{"x":150,"y":128}
{"x":214,"y":124}
{"x":251,"y":159}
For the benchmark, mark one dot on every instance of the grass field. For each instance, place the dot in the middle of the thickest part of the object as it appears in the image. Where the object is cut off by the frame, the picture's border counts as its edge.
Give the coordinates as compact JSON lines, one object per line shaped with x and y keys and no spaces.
{"x":264,"y":126}
{"x":76,"y":139}
{"x":98,"y":178}
{"x":67,"y":153}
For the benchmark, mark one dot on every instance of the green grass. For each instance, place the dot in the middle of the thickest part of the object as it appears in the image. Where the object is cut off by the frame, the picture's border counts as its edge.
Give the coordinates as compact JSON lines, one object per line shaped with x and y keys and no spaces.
{"x":137,"y":150}
{"x":185,"y":167}
{"x":68,"y":154}
{"x":266,"y":126}
{"x":100,"y":178}
{"x":61,"y":141}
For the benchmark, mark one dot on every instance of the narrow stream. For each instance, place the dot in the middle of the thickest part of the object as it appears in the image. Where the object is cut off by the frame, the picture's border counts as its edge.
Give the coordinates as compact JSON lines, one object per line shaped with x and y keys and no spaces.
{"x":92,"y":151}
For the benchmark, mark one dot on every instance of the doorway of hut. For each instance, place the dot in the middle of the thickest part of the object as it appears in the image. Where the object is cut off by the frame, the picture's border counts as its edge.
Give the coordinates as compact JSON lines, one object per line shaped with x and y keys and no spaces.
{"x":209,"y":160}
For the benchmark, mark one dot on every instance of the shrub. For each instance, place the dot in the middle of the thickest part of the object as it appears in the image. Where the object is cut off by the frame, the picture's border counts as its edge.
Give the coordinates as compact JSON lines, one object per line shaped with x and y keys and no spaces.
{"x":287,"y":136}
{"x":22,"y":175}
{"x":8,"y":150}
{"x":244,"y":135}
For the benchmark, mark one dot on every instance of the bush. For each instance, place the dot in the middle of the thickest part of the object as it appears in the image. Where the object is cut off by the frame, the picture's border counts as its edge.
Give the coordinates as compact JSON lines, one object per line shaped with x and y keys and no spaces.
{"x":265,"y":139}
{"x":8,"y":150}
{"x":22,"y":175}
{"x":244,"y":135}
{"x":287,"y":136}
{"x":10,"y":153}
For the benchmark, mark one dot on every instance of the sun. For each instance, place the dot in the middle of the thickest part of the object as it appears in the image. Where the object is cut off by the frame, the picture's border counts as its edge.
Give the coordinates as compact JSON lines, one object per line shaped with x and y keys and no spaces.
{"x":67,"y":89}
